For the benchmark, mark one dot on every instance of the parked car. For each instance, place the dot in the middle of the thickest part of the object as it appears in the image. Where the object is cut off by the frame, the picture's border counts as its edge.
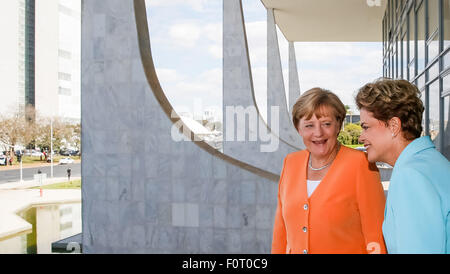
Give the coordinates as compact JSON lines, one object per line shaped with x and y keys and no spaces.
{"x":68,"y":152}
{"x":65,"y":161}
{"x":363,"y":149}
{"x":3,"y":160}
{"x":36,"y":153}
{"x":74,"y":152}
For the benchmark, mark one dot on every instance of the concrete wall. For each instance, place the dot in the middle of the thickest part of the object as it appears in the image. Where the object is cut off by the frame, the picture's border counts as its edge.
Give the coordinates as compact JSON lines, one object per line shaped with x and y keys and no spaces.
{"x":142,"y":192}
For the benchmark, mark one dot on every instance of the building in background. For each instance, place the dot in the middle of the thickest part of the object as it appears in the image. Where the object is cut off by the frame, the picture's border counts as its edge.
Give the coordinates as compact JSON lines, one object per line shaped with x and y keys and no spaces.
{"x":12,"y":55}
{"x":40,"y":57}
{"x":352,"y":118}
{"x":416,"y":47}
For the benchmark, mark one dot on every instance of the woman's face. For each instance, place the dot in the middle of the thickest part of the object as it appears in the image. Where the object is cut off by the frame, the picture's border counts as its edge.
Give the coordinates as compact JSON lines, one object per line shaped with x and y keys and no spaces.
{"x":376,"y":136}
{"x":320,"y":134}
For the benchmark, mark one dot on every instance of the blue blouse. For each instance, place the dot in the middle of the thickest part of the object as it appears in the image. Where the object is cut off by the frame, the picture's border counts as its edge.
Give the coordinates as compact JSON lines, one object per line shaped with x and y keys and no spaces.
{"x":417,"y":213}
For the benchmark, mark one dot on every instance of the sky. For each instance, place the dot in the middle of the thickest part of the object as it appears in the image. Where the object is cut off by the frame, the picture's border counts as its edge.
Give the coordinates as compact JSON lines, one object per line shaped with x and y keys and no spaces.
{"x":186,"y":41}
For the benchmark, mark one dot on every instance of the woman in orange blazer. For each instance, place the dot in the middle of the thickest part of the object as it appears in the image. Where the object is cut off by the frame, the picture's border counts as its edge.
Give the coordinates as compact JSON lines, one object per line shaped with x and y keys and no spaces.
{"x":330,"y":199}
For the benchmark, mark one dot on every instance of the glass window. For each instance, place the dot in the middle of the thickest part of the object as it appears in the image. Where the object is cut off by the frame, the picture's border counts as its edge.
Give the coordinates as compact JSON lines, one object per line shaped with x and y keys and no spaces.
{"x":389,"y":64}
{"x":433,"y":16}
{"x":433,"y":71}
{"x":446,"y":4}
{"x":433,"y":112}
{"x":411,"y":34}
{"x":398,"y":56}
{"x":411,"y":71}
{"x":446,"y":83}
{"x":446,"y":150}
{"x":394,"y":65}
{"x":405,"y":57}
{"x":433,"y":47}
{"x":392,"y":75}
{"x":384,"y":35}
{"x":421,"y":38}
{"x":447,"y":60}
{"x":421,"y":81}
{"x":423,"y":98}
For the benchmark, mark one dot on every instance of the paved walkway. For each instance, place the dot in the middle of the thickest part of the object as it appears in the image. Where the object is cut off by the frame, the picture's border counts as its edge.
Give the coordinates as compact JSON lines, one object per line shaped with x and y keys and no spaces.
{"x":15,"y":197}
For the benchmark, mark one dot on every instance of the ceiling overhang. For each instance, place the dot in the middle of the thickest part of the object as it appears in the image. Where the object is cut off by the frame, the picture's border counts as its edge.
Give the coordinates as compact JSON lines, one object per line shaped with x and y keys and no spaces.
{"x":329,"y":20}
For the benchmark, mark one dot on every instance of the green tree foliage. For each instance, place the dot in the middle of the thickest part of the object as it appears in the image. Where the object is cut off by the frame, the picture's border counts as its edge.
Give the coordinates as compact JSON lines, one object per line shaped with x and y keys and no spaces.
{"x":17,"y":129}
{"x":344,"y":138}
{"x":355,"y":131}
{"x":350,"y":134}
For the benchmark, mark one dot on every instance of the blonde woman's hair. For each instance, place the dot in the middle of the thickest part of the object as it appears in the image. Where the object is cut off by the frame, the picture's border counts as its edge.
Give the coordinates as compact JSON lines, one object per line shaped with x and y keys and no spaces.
{"x":313,"y":102}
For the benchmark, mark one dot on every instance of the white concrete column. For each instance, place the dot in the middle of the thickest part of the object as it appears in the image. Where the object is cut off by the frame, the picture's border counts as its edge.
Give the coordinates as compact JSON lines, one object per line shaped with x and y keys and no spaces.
{"x":294,"y":83}
{"x":239,"y":106}
{"x":276,"y":95}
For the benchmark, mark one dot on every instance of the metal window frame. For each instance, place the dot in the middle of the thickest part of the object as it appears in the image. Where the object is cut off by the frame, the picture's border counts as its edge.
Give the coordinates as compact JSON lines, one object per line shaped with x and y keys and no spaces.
{"x":399,"y":30}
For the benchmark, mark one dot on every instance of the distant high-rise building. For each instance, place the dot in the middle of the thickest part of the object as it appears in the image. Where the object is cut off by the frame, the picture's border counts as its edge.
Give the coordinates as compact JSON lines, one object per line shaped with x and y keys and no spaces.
{"x":40,"y":57}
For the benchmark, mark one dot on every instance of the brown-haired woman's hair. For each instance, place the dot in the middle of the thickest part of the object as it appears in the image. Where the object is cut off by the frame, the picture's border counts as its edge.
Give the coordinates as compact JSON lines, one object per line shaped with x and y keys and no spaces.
{"x":386,"y":98}
{"x":313,"y":102}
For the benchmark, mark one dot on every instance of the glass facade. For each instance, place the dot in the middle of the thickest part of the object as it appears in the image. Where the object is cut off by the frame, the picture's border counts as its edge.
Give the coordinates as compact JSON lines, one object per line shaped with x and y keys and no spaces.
{"x":416,"y":47}
{"x":29,"y":53}
{"x":446,"y":22}
{"x":21,"y":57}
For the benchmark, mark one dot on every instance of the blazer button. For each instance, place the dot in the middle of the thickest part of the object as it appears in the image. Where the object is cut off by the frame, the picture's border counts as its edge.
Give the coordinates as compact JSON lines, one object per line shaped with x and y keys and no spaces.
{"x":305,"y":206}
{"x":305,"y":229}
{"x":305,"y":251}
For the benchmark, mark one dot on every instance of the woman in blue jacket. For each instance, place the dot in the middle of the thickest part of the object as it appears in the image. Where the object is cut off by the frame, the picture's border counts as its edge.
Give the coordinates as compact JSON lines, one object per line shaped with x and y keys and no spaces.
{"x":417,"y":213}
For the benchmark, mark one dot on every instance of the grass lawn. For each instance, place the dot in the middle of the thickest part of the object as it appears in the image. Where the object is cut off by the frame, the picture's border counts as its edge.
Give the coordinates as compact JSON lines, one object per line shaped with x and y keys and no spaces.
{"x":74,"y":184}
{"x":33,"y":160}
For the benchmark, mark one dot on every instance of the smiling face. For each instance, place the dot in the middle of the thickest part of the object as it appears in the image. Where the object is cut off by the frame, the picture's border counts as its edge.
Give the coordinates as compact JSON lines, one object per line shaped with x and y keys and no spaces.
{"x":320,"y":134}
{"x":376,"y":137}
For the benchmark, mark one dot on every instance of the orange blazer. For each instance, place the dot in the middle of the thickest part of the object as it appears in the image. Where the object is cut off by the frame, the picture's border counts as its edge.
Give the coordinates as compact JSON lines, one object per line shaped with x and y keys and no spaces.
{"x":343,"y":215}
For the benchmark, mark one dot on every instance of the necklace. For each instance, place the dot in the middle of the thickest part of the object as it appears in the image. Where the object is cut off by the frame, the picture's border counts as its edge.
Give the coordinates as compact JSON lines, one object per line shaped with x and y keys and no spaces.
{"x":317,"y":169}
{"x":325,"y":166}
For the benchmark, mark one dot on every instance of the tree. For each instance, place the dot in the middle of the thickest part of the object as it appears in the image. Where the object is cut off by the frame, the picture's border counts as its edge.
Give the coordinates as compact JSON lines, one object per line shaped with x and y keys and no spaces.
{"x":30,"y":129}
{"x":354,"y":131}
{"x":15,"y":129}
{"x":345,"y":138}
{"x":76,"y":136}
{"x":61,"y":132}
{"x":72,"y":136}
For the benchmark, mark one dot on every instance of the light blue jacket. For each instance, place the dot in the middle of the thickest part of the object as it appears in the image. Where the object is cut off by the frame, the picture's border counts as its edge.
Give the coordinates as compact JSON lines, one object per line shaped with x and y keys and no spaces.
{"x":417,"y":213}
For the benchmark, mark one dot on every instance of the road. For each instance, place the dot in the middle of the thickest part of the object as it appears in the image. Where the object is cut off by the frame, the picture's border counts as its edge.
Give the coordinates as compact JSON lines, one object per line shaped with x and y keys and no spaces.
{"x":7,"y":176}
